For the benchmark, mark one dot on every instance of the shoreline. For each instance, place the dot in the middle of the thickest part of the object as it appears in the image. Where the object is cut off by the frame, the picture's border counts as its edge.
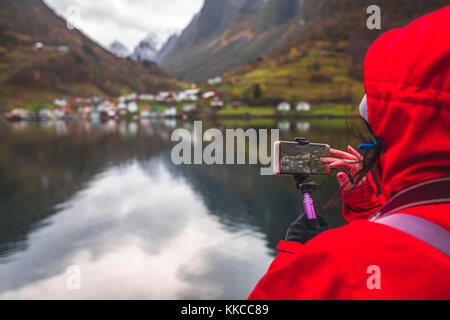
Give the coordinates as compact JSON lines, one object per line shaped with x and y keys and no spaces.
{"x":281,"y":116}
{"x":203,"y":117}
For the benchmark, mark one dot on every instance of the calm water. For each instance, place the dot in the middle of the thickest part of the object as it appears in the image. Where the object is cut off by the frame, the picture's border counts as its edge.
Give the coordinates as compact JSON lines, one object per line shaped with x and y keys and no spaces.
{"x":107,"y":198}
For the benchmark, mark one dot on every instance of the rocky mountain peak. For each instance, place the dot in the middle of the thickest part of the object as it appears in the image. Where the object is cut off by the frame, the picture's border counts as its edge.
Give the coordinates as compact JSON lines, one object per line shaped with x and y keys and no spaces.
{"x":119,"y":49}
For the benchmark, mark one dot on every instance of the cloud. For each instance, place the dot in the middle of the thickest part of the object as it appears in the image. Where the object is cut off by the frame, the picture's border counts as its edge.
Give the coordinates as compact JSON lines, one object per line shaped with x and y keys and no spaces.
{"x":129,"y":21}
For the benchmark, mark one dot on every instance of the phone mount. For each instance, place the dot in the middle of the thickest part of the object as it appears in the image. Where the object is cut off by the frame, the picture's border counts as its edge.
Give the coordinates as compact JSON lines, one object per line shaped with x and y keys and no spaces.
{"x":306,"y":187}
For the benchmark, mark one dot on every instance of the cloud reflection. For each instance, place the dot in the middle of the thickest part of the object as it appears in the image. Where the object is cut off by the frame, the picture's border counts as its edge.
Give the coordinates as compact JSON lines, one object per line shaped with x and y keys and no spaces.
{"x":136,"y":234}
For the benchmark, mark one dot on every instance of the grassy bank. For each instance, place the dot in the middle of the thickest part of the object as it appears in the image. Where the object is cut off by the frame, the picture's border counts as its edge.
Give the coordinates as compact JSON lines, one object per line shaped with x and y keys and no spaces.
{"x":331,"y":110}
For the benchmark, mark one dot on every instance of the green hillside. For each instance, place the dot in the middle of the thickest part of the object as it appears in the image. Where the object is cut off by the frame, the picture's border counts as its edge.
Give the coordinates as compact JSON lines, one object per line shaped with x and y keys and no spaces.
{"x":319,"y":60}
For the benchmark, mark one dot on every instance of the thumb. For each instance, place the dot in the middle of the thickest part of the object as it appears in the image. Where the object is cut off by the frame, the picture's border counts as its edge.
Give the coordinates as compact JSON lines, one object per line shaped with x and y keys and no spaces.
{"x":344,"y":181}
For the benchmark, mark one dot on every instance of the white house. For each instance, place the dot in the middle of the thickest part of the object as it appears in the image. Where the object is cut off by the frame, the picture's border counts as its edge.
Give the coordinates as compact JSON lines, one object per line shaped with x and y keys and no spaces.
{"x":209,"y":95}
{"x":215,"y":80}
{"x":131,"y":97}
{"x":303,"y":106}
{"x":147,"y":97}
{"x":284,"y":107}
{"x":111,"y":113}
{"x":170,"y":112}
{"x":122,"y":109}
{"x":60,"y":102}
{"x":188,"y":95}
{"x":128,"y":98}
{"x":38,"y":46}
{"x":181,"y":96}
{"x":165,"y":96}
{"x":132,"y":107}
{"x":192,"y":92}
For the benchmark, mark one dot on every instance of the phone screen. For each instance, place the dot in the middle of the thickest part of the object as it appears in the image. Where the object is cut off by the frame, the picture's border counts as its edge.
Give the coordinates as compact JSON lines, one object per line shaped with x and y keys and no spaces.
{"x":292,"y":158}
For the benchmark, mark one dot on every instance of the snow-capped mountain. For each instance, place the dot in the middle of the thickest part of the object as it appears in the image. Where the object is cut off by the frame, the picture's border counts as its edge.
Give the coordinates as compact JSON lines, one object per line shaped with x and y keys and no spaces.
{"x":119,"y":49}
{"x":147,"y":49}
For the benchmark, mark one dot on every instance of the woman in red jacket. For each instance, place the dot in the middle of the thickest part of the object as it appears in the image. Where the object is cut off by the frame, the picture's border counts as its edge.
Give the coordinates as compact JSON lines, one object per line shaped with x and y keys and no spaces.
{"x":397,"y":245}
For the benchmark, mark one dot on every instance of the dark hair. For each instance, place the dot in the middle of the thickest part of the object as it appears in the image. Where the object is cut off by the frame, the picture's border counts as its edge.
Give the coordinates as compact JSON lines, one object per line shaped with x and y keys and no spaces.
{"x":370,"y":155}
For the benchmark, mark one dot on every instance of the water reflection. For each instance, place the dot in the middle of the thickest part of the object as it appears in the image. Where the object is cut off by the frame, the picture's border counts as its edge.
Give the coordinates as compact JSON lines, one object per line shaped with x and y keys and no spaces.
{"x":284,"y":126}
{"x":158,"y":241}
{"x":303,"y":126}
{"x":107,"y":198}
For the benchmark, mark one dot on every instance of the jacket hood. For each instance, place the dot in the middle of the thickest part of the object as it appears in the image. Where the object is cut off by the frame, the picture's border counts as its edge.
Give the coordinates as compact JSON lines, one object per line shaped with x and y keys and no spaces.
{"x":407,"y":83}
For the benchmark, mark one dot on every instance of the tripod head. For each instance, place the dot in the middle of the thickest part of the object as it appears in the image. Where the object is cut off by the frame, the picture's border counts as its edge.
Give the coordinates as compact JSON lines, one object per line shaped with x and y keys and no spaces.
{"x":303,"y":186}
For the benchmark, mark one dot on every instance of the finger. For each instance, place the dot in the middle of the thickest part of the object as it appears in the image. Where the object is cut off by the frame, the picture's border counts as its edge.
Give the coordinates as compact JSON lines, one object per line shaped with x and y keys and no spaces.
{"x":342,"y":154}
{"x":344,"y":181}
{"x":354,"y":152}
{"x":328,"y":160}
{"x":348,"y":165}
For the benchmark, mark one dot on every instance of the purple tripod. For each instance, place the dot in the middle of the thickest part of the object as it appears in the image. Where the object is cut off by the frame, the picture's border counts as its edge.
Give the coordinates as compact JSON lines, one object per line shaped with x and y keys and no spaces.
{"x":308,"y":204}
{"x":306,"y":188}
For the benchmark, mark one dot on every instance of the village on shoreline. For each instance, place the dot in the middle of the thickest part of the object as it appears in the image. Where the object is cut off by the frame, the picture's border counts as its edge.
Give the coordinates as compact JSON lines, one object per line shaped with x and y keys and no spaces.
{"x":185,"y":104}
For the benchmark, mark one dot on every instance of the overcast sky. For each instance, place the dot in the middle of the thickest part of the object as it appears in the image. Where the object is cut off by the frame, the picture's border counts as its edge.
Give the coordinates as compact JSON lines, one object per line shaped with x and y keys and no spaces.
{"x":128,"y":21}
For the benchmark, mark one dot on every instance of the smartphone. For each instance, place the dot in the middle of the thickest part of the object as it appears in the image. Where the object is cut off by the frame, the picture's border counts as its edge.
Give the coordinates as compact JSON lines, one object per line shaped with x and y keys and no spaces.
{"x":292,"y":158}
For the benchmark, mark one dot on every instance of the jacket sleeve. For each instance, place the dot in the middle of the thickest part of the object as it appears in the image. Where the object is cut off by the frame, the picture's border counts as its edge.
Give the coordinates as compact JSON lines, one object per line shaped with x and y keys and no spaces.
{"x":362,"y":201}
{"x":300,"y":272}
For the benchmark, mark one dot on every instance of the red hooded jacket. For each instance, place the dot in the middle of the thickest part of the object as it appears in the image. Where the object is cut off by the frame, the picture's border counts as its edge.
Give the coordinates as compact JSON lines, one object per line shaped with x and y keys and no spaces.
{"x":407,"y":82}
